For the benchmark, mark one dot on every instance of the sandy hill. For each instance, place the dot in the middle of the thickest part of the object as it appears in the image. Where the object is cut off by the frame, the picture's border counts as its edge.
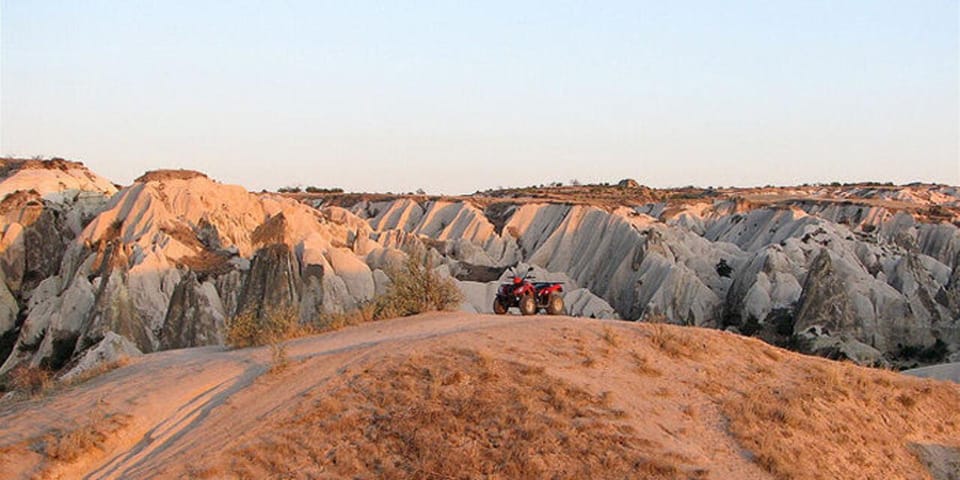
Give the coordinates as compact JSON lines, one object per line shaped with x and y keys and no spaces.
{"x":457,"y":395}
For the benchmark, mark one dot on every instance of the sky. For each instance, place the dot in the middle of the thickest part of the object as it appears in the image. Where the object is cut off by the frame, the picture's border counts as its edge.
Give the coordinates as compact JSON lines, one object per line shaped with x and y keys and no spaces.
{"x":454,"y":97}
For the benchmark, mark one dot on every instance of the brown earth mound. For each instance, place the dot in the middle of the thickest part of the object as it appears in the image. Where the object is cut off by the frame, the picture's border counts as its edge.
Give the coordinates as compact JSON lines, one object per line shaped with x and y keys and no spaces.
{"x":467,"y":396}
{"x":453,"y":414}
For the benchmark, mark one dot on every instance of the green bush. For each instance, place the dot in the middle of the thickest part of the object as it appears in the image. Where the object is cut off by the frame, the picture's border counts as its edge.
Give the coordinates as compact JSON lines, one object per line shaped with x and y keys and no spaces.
{"x":417,"y":288}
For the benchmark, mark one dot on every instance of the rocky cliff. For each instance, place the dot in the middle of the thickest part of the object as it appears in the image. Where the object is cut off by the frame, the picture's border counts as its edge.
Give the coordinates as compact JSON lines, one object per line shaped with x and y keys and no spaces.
{"x":164,"y":262}
{"x":867,"y":272}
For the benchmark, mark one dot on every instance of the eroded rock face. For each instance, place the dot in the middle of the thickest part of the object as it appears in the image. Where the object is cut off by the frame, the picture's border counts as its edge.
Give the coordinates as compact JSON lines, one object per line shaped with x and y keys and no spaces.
{"x":879,"y":272}
{"x":196,"y":316}
{"x":43,"y":207}
{"x":110,"y":350}
{"x":168,"y":261}
{"x":273,"y":281}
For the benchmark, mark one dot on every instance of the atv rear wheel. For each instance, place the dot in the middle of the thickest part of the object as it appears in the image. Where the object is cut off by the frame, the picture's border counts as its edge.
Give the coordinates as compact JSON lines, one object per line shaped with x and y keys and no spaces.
{"x":498,"y":307}
{"x":555,"y":304}
{"x":528,"y":305}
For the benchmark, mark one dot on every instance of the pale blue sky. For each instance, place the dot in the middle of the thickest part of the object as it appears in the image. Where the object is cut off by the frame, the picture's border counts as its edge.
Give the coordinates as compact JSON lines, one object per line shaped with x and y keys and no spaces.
{"x":453,"y":97}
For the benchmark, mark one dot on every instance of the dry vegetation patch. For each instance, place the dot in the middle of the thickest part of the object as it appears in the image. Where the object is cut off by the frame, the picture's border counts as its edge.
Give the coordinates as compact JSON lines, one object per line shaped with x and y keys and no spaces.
{"x":836,"y":419}
{"x":275,"y":325}
{"x":69,"y":445}
{"x":454,"y":414}
{"x":675,"y":342}
{"x":31,"y":381}
{"x":417,"y":288}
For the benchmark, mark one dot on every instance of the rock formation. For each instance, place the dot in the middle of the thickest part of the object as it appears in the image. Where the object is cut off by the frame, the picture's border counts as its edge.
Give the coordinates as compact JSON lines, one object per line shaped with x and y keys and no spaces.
{"x":165,"y":263}
{"x":872,"y":270}
{"x":866,"y":272}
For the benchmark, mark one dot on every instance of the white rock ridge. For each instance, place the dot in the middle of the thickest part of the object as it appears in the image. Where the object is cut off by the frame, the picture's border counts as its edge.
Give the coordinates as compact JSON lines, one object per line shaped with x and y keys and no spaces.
{"x":168,"y":260}
{"x":887,"y":277}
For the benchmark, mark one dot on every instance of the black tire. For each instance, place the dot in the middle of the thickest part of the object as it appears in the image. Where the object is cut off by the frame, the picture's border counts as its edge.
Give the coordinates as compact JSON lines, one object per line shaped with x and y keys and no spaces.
{"x":555,"y":304}
{"x":498,"y":306}
{"x":528,"y":305}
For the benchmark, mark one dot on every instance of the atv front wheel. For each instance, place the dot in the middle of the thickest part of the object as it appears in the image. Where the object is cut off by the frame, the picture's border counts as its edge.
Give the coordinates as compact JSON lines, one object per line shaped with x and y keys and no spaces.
{"x":555,"y":304}
{"x":498,"y":307}
{"x":528,"y":305}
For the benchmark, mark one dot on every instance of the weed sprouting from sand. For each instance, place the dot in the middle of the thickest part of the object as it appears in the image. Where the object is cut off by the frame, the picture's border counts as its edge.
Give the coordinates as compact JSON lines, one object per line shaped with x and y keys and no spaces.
{"x":273,"y":328}
{"x":906,"y":400}
{"x":589,"y":361}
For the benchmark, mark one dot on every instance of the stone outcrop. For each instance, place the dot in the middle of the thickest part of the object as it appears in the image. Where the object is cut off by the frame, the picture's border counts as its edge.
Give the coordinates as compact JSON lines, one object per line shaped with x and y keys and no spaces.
{"x":877,"y":273}
{"x":44,"y":205}
{"x":166,"y":263}
{"x":866,"y":272}
{"x":195,"y":317}
{"x":110,"y":350}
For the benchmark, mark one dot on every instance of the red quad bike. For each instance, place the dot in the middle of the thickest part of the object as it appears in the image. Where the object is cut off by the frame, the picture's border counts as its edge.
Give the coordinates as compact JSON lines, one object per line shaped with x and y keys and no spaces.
{"x":529,"y":296}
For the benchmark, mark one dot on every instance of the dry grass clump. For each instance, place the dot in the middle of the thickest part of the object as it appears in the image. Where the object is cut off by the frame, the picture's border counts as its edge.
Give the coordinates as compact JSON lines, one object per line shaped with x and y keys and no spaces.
{"x":417,"y":288}
{"x":642,"y":365}
{"x":673,"y":341}
{"x":454,"y":414}
{"x":364,"y":313}
{"x":610,"y":337}
{"x":276,"y":325}
{"x":278,"y":356}
{"x":32,"y":381}
{"x":38,"y":381}
{"x":97,"y":371}
{"x":68,"y":446}
{"x":272,"y":328}
{"x":825,"y":424}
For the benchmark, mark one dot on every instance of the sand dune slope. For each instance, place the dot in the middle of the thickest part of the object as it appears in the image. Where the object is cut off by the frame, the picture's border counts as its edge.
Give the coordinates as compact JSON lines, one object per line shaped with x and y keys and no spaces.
{"x":454,"y":395}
